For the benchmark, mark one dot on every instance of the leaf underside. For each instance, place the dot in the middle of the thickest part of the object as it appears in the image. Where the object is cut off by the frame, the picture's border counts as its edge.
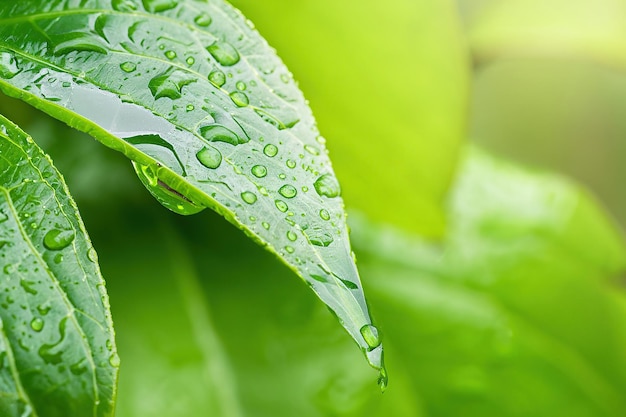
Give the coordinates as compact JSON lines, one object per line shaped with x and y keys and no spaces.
{"x":57,"y":352}
{"x":210,"y":116}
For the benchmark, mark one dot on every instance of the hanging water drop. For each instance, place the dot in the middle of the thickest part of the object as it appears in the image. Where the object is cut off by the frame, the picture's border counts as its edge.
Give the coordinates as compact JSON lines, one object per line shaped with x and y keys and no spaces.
{"x":170,"y":55}
{"x":218,"y":133}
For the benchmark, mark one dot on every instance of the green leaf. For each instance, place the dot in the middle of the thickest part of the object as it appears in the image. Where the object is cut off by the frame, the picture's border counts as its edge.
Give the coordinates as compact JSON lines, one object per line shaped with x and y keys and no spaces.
{"x":519,"y":312}
{"x":390,"y":80}
{"x":208,"y":113}
{"x":57,"y":352}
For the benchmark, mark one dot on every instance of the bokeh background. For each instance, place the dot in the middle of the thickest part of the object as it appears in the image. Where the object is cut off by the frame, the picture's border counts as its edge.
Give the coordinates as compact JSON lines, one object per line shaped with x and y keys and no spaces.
{"x":480,"y":147}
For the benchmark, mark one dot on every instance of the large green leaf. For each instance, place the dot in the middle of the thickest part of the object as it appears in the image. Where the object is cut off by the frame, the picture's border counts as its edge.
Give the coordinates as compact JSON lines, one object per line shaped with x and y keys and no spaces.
{"x":390,"y":80}
{"x":519,"y":312}
{"x":57,"y":351}
{"x":209,"y":115}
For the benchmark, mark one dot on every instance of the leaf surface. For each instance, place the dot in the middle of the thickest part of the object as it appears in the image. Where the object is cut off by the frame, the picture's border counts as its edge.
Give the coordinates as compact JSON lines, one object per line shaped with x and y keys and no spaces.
{"x":57,"y":351}
{"x":209,"y":115}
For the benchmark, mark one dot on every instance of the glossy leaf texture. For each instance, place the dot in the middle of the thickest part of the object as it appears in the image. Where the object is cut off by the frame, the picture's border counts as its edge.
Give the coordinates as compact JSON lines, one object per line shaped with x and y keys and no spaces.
{"x":57,"y":349}
{"x":210,"y":116}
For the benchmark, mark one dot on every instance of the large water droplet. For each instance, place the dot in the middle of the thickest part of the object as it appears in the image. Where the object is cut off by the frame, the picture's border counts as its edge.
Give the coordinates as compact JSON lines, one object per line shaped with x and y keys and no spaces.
{"x":57,"y":239}
{"x":239,"y":98}
{"x":51,"y":353}
{"x":157,"y":6}
{"x":217,"y":78}
{"x":210,"y":157}
{"x":224,"y":53}
{"x":8,"y":66}
{"x":249,"y":197}
{"x":270,"y":150}
{"x":311,"y":149}
{"x":370,"y":335}
{"x":169,"y":84}
{"x":128,"y":66}
{"x":288,"y":191}
{"x":327,"y":186}
{"x":203,"y":20}
{"x":259,"y":171}
{"x":218,"y":133}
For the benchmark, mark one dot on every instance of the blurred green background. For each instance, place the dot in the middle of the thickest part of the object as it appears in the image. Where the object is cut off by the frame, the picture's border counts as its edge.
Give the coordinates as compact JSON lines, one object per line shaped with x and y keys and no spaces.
{"x":479,"y":146}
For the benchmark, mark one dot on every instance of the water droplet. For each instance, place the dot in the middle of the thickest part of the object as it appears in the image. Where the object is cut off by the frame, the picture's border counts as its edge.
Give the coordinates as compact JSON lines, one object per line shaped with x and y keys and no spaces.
{"x":282,"y":176}
{"x":49,"y":352}
{"x":124,"y":5}
{"x":318,"y":236}
{"x":240,"y":99}
{"x":43,"y":309}
{"x":169,"y":84}
{"x":28,"y":286}
{"x":305,"y":189}
{"x":190,"y":61}
{"x":291,"y":235}
{"x":37,"y":324}
{"x":289,"y":249}
{"x":170,"y":55}
{"x":383,"y":379}
{"x":57,"y":239}
{"x":77,"y":42}
{"x":190,"y":107}
{"x":109,"y":345}
{"x":288,"y":191}
{"x":8,"y":66}
{"x":259,"y":171}
{"x":203,"y":20}
{"x":241,"y":86}
{"x":218,"y":133}
{"x":217,"y":78}
{"x":248,"y":197}
{"x":266,"y":225}
{"x":270,"y":150}
{"x":324,"y":214}
{"x":114,"y":360}
{"x":210,"y":157}
{"x":58,"y":258}
{"x":128,"y":66}
{"x":311,"y":149}
{"x":157,"y":6}
{"x":79,"y":367}
{"x":92,"y":255}
{"x":327,"y":186}
{"x":281,"y":205}
{"x":291,"y":163}
{"x":263,"y":191}
{"x":224,"y":53}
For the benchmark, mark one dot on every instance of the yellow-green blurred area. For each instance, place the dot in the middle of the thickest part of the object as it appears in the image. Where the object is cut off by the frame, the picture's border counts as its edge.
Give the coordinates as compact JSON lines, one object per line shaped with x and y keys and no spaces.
{"x":480,"y":148}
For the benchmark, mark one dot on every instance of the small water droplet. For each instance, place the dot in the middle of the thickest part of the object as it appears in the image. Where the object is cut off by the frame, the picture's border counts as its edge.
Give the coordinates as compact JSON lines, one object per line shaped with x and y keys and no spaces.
{"x":291,"y":163}
{"x":170,"y":55}
{"x":57,"y":239}
{"x":281,"y":205}
{"x":190,"y":107}
{"x":263,"y":191}
{"x":291,"y":235}
{"x":259,"y":171}
{"x":327,"y":186}
{"x":114,"y":360}
{"x":282,"y":176}
{"x":318,"y":236}
{"x":217,"y":78}
{"x":37,"y":324}
{"x":288,"y":191}
{"x":79,"y":367}
{"x":241,"y":86}
{"x":169,"y":84}
{"x":218,"y":133}
{"x":128,"y":66}
{"x":203,"y":20}
{"x":311,"y":149}
{"x":92,"y":255}
{"x":224,"y":53}
{"x":270,"y":150}
{"x":324,"y":214}
{"x":43,"y":309}
{"x":109,"y":345}
{"x":266,"y":225}
{"x":289,"y":249}
{"x":249,"y":197}
{"x":210,"y":157}
{"x":58,"y":258}
{"x":240,"y":99}
{"x":157,"y":6}
{"x":190,"y":61}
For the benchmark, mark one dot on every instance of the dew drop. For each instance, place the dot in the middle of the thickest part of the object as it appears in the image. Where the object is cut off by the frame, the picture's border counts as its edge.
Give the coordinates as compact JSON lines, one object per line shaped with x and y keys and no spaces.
{"x":319,"y":237}
{"x":289,"y":249}
{"x":190,"y":61}
{"x":324,"y":214}
{"x":203,"y":20}
{"x":281,"y":205}
{"x":8,"y":65}
{"x":58,"y":258}
{"x":241,"y":86}
{"x":37,"y":324}
{"x":217,"y":78}
{"x":224,"y":53}
{"x":291,"y":163}
{"x":210,"y":157}
{"x":170,"y":55}
{"x":259,"y":171}
{"x":327,"y":186}
{"x":218,"y":133}
{"x":114,"y":360}
{"x":311,"y":149}
{"x":57,"y":239}
{"x":266,"y":225}
{"x":282,"y":176}
{"x":190,"y":107}
{"x":270,"y":150}
{"x":239,"y":98}
{"x":291,"y":235}
{"x":288,"y":191}
{"x":248,"y":197}
{"x":157,"y":6}
{"x":128,"y":66}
